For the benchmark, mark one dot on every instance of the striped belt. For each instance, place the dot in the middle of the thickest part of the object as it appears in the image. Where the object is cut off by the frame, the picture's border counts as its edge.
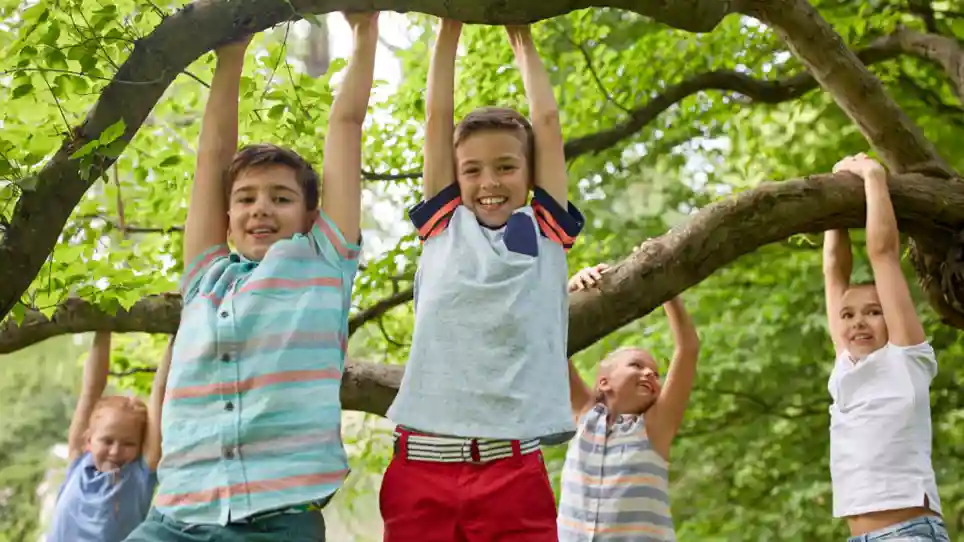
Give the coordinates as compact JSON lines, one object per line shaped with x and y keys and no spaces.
{"x":438,"y":449}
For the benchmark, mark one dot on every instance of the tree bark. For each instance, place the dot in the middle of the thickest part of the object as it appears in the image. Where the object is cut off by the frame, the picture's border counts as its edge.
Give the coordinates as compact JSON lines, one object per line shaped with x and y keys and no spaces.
{"x":663,"y":268}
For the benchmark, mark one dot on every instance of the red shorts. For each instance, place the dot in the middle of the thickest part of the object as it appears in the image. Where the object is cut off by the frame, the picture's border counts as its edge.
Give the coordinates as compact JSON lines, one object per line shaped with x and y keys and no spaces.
{"x":505,"y":500}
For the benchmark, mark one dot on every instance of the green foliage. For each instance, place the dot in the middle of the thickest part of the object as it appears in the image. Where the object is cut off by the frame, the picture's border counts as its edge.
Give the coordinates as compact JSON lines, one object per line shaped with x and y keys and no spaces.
{"x":752,"y":458}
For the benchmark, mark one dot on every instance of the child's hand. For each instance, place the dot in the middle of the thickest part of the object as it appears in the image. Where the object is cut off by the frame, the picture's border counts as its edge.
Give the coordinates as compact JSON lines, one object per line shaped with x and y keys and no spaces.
{"x":587,"y":278}
{"x":235,"y":49}
{"x":361,"y":20}
{"x":860,"y":165}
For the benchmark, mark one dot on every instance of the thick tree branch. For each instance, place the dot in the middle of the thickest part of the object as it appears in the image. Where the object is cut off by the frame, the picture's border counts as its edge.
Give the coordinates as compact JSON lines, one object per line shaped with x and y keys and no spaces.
{"x":944,"y":51}
{"x":664,"y":267}
{"x":927,"y":208}
{"x":899,"y":141}
{"x":158,"y":58}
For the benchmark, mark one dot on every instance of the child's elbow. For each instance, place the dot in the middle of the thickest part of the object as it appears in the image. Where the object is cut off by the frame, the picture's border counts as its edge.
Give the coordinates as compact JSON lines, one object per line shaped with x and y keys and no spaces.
{"x":881,"y":248}
{"x":547,"y":119}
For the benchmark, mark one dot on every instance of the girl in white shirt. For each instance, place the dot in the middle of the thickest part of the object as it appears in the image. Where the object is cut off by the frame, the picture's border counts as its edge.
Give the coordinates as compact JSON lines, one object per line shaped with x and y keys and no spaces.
{"x":880,"y":425}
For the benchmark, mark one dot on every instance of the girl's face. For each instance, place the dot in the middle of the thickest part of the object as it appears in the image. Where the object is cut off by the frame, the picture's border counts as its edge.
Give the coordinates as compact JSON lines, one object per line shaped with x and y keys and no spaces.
{"x":864,"y":328}
{"x":631,"y":382}
{"x":114,"y":439}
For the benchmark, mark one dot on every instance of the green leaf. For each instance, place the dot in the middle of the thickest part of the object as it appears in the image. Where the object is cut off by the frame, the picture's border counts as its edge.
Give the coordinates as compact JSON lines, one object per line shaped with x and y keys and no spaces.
{"x":21,"y":91}
{"x":112,"y":132}
{"x":85,"y":150}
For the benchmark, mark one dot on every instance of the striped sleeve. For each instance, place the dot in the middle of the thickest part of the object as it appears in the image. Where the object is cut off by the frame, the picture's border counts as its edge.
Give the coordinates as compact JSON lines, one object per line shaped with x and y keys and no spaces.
{"x":331,"y":243}
{"x":432,"y":216}
{"x":557,"y":224}
{"x":194,"y":271}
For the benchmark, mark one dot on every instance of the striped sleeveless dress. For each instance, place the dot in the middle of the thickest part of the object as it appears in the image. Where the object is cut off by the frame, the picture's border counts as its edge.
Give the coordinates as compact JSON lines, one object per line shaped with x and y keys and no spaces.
{"x":614,"y":485}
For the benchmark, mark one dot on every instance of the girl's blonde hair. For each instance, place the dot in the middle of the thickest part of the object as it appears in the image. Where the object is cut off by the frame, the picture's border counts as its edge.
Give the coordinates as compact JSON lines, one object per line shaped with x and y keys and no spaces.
{"x":122,"y":403}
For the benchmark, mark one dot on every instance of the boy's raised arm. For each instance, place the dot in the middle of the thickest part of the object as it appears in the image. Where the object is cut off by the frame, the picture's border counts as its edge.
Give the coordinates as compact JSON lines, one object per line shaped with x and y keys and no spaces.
{"x":341,"y":178}
{"x":439,"y":170}
{"x":152,"y":437}
{"x":671,"y":406}
{"x":95,"y":380}
{"x":550,"y":157}
{"x":837,"y":265}
{"x":207,"y":213}
{"x":883,"y":248}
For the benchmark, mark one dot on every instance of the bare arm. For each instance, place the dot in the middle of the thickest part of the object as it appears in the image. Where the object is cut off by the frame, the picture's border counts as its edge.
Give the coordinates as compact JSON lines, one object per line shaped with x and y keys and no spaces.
{"x":152,"y":438}
{"x":580,"y":396}
{"x":207,"y":214}
{"x":883,"y":248}
{"x":95,"y":380}
{"x":341,"y":187}
{"x":440,"y":111}
{"x":550,"y":158}
{"x":837,"y":265}
{"x":666,"y":416}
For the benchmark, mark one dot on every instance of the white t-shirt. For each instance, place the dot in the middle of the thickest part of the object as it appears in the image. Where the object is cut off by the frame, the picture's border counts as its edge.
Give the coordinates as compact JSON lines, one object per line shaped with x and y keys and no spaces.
{"x":880,"y":431}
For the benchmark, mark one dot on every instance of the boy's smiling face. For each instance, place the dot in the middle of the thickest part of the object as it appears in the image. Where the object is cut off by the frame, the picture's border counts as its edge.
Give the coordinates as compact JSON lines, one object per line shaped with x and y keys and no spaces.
{"x":266,"y":204}
{"x":493,"y":174}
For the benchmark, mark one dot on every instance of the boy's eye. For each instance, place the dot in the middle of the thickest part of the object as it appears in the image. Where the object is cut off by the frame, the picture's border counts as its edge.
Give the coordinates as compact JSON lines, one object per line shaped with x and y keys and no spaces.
{"x":282,"y":199}
{"x":507,"y":167}
{"x":245,"y":199}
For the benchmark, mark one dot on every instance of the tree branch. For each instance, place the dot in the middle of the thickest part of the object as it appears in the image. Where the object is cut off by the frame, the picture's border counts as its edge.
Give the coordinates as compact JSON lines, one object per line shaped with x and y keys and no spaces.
{"x":663,"y":268}
{"x":156,"y":59}
{"x":899,"y":141}
{"x":941,"y":50}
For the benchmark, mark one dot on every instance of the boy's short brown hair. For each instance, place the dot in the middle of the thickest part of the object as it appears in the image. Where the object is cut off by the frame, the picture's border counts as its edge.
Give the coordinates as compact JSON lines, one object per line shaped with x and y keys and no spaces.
{"x":501,"y":119}
{"x":265,"y":154}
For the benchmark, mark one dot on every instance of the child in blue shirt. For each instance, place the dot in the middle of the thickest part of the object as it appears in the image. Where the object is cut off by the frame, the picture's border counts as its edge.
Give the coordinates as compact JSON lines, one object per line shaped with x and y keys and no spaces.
{"x":114,"y":448}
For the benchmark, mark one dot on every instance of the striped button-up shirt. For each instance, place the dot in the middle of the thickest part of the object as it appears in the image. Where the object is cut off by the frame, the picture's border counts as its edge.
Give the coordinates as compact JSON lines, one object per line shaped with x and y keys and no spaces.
{"x":614,"y":485}
{"x":252,"y":412}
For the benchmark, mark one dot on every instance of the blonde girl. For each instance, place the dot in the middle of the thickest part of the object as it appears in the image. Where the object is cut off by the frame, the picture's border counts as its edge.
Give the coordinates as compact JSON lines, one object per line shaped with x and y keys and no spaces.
{"x":114,"y":446}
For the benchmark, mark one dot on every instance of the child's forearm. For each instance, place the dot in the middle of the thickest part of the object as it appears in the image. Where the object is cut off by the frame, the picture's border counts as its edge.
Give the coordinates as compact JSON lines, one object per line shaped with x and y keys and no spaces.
{"x":351,"y":103}
{"x":542,"y":102}
{"x":579,"y":393}
{"x":837,"y":257}
{"x":883,"y":237}
{"x":440,"y":110}
{"x":97,"y":366}
{"x":685,"y":338}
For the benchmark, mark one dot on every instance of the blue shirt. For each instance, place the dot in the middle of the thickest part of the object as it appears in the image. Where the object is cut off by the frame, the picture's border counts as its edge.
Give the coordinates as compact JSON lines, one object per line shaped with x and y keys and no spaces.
{"x":96,"y":506}
{"x":252,"y":414}
{"x":488,"y":356}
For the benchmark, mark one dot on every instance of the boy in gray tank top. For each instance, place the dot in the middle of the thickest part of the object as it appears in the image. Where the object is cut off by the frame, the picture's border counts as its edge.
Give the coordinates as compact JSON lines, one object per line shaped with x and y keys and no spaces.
{"x":487,"y":377}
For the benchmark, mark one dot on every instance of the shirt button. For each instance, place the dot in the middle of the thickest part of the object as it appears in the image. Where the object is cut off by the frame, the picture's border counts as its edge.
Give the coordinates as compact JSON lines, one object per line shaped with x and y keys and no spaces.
{"x":224,"y":314}
{"x":225,"y":357}
{"x":229,"y":453}
{"x":229,"y":406}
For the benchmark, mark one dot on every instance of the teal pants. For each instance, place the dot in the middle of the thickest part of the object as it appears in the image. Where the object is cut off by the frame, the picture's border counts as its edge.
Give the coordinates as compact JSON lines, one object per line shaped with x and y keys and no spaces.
{"x":303,"y":527}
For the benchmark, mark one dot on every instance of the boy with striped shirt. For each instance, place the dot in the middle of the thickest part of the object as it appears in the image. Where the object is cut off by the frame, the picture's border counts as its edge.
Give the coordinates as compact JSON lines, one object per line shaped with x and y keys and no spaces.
{"x":486,"y":377}
{"x":251,"y":427}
